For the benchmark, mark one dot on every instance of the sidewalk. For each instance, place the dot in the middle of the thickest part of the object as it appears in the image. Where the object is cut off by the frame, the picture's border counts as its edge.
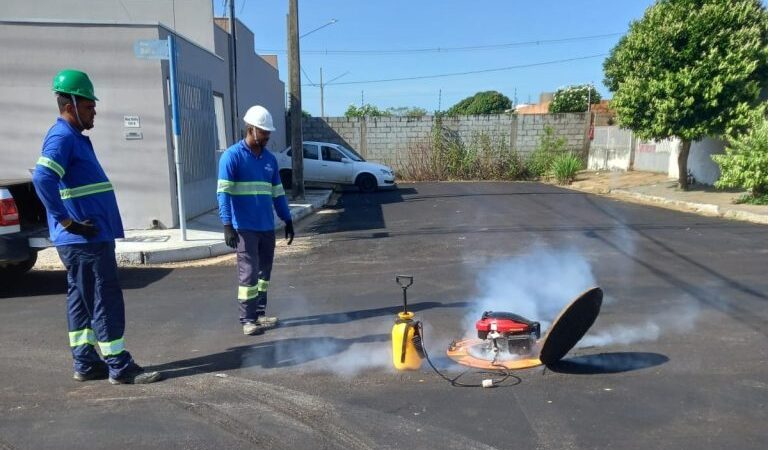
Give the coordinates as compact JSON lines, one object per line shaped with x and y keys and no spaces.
{"x":660,"y":190}
{"x":205,"y":238}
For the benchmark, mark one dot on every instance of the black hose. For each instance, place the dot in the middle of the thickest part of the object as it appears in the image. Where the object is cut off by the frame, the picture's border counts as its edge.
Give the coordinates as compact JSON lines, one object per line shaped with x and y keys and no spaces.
{"x":455,"y":381}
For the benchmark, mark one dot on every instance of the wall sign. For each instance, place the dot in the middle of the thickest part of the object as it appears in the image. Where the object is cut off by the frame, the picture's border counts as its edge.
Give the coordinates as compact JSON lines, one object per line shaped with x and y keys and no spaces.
{"x":131,"y":122}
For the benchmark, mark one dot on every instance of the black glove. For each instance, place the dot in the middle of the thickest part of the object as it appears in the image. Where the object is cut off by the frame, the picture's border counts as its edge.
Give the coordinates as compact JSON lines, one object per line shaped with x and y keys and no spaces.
{"x":289,"y":232}
{"x":230,"y":236}
{"x":86,"y":228}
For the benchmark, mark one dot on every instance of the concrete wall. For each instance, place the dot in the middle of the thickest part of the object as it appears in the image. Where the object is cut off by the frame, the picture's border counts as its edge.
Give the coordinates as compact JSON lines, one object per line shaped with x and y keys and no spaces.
{"x":125,"y":85}
{"x":607,"y":153}
{"x":190,"y":18}
{"x":388,"y":139}
{"x":700,"y":162}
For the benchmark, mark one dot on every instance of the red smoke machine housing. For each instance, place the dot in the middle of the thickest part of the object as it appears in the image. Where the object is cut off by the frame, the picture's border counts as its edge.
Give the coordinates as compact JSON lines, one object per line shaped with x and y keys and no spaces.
{"x":504,"y":332}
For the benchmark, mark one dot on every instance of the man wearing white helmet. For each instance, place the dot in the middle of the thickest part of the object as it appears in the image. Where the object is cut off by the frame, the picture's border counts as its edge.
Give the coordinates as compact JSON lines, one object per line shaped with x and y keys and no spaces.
{"x":249,"y":188}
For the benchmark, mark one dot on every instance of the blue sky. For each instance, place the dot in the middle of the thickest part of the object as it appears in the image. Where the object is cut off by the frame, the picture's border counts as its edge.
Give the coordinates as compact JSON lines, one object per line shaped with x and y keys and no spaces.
{"x":394,"y":39}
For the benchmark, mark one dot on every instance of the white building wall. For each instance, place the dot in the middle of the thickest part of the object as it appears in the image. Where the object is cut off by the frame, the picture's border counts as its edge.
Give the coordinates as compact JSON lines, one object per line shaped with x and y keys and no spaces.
{"x":142,"y":170}
{"x":32,"y":54}
{"x":190,"y":18}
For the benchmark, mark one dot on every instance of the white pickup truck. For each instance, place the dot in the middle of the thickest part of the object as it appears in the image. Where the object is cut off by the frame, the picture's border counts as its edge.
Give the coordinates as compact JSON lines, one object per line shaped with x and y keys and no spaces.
{"x":23,"y":227}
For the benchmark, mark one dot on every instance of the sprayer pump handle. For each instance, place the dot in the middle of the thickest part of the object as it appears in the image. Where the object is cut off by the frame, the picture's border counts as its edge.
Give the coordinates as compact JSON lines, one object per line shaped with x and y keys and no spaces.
{"x":402,"y":279}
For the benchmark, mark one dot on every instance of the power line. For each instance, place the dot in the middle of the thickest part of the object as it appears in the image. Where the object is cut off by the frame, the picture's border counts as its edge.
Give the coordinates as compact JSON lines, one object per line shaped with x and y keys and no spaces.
{"x":450,"y":49}
{"x":472,"y":72}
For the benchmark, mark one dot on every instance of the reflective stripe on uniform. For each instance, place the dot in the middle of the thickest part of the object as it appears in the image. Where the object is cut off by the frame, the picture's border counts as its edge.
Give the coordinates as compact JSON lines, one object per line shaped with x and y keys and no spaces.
{"x":244,"y":187}
{"x":82,"y":337}
{"x":112,"y":348}
{"x":246,"y":293}
{"x":277,"y":190}
{"x":88,"y":189}
{"x":51,"y":164}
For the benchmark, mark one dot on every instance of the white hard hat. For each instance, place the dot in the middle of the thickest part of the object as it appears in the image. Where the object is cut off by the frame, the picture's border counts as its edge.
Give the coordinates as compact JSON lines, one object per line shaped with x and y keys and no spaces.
{"x":259,"y":117}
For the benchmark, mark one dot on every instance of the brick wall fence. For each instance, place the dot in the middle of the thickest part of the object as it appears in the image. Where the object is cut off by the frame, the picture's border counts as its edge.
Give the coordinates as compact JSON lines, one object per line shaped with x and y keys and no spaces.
{"x":387,"y":139}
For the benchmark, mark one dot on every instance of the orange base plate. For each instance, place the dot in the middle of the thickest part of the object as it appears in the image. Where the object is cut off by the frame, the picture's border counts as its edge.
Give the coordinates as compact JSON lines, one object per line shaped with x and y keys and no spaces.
{"x":460,"y":353}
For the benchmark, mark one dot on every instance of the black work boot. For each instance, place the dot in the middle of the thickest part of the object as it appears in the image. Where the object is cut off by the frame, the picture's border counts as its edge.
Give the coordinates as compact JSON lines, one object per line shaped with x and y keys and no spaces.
{"x":99,"y":371}
{"x":135,"y":374}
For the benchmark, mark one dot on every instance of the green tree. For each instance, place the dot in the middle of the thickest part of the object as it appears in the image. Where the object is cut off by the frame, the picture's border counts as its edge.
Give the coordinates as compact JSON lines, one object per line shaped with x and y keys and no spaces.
{"x":689,"y":69}
{"x":745,"y":161}
{"x":574,"y":98}
{"x":366,"y":110}
{"x":407,"y":111}
{"x":486,"y":102}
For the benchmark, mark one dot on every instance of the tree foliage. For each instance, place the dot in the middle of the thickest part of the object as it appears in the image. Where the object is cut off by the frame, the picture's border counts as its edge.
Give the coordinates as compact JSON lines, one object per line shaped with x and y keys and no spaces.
{"x":574,"y":98}
{"x":745,"y":161}
{"x":689,"y":69}
{"x":486,"y":102}
{"x":407,"y":111}
{"x":366,"y":110}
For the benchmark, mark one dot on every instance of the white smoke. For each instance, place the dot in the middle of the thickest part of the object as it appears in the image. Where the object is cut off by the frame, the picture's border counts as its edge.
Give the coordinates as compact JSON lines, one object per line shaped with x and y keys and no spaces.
{"x":674,"y":321}
{"x":536,"y":285}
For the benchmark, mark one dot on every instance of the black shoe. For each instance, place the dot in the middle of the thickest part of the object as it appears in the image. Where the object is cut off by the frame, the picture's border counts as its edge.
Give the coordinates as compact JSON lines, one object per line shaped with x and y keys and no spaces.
{"x":135,"y":374}
{"x":99,"y":371}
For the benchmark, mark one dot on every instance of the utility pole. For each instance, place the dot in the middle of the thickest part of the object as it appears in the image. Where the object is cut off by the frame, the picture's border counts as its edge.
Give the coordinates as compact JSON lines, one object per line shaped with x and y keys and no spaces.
{"x":322,"y":90}
{"x":297,"y":145}
{"x":439,"y":99}
{"x":233,"y":75}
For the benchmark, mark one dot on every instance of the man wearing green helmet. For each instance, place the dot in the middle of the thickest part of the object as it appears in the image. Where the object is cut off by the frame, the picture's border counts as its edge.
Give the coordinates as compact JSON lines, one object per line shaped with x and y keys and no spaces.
{"x":84,"y":221}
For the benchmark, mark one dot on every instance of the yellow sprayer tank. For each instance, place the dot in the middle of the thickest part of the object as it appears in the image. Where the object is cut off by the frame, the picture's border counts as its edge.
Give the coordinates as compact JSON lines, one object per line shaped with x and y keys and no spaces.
{"x":404,"y":353}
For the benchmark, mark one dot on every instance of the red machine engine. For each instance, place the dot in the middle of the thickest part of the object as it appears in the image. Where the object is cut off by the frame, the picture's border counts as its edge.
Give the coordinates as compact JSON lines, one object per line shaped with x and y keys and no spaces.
{"x":507,"y":332}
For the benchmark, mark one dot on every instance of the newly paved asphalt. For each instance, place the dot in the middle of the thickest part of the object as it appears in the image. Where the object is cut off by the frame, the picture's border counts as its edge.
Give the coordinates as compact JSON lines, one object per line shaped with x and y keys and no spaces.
{"x":676,"y":359}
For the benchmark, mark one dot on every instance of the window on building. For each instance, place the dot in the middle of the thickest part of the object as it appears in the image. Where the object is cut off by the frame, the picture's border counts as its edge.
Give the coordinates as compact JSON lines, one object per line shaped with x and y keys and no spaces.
{"x":221,"y":129}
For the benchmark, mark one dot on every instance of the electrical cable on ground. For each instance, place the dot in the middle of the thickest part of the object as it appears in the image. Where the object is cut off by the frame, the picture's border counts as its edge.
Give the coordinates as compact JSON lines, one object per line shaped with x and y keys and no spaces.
{"x":495,"y":382}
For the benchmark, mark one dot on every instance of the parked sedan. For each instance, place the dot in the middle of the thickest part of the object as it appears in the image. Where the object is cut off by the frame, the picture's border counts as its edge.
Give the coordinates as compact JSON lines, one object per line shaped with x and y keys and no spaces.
{"x":332,"y":163}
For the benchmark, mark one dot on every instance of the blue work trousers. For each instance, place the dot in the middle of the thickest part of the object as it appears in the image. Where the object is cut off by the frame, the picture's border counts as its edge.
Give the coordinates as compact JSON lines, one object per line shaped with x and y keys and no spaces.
{"x":95,"y":308}
{"x":255,"y":253}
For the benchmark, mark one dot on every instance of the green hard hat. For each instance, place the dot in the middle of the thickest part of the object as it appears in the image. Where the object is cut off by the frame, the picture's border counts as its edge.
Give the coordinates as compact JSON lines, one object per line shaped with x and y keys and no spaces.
{"x":70,"y":81}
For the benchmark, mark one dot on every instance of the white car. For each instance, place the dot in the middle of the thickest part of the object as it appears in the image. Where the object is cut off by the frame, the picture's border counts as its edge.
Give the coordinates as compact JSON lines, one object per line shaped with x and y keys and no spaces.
{"x":333,"y":163}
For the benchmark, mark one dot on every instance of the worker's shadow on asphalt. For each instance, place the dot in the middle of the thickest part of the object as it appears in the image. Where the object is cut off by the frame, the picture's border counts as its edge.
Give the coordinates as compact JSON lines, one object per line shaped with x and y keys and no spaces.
{"x":349,"y":316}
{"x":605,"y":363}
{"x":54,"y":282}
{"x":284,"y":353}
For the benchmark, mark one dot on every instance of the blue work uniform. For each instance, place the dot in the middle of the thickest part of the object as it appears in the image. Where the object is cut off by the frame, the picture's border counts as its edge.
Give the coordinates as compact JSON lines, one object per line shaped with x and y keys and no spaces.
{"x":72,"y":185}
{"x":249,"y":188}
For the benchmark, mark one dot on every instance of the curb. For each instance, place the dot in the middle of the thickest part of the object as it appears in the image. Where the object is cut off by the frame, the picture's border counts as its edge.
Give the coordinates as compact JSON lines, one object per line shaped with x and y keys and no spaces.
{"x":704,"y":208}
{"x":204,"y":251}
{"x":701,"y":208}
{"x":172,"y":254}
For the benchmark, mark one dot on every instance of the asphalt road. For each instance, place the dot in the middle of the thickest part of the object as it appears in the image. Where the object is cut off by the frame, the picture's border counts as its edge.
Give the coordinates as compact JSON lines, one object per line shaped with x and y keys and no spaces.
{"x":676,"y":359}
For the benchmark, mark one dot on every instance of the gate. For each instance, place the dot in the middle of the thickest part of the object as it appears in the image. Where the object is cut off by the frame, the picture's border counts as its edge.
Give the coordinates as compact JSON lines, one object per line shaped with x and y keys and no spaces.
{"x":611,"y":149}
{"x":198,"y":144}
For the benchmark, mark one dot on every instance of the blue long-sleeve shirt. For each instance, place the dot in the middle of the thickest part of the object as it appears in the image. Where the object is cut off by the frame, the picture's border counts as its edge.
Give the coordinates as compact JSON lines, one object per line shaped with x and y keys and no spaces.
{"x":72,"y":185}
{"x":249,"y":187}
